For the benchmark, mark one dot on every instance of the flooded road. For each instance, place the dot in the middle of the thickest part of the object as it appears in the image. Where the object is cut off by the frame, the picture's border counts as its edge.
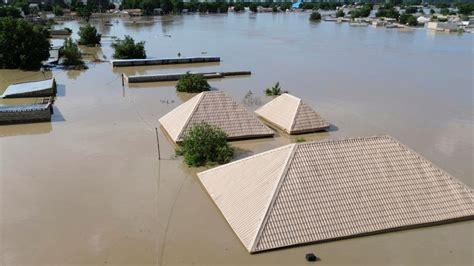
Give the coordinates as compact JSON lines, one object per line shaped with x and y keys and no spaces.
{"x":87,"y":188}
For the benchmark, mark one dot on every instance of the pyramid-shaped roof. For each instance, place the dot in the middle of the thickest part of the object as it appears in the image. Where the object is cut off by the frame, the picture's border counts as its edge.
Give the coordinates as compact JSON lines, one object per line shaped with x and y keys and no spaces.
{"x":328,"y":190}
{"x":31,"y":89}
{"x":292,"y":115}
{"x":215,"y":108}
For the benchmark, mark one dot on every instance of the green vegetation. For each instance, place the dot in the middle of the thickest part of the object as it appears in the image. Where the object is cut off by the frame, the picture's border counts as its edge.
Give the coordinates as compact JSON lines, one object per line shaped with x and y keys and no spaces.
{"x":275,"y":90}
{"x":84,"y":12}
{"x":300,"y":139}
{"x":239,"y":7}
{"x":193,"y":83}
{"x":408,"y":19}
{"x":89,"y":36}
{"x":411,"y":10}
{"x":58,"y":10}
{"x":340,"y":13}
{"x":10,"y":11}
{"x":128,"y":49}
{"x":253,"y":7}
{"x":205,"y":144}
{"x":315,"y":16}
{"x":22,"y":45}
{"x":71,"y":54}
{"x":361,"y":12}
{"x":465,"y":8}
{"x":387,"y":12}
{"x":444,"y":11}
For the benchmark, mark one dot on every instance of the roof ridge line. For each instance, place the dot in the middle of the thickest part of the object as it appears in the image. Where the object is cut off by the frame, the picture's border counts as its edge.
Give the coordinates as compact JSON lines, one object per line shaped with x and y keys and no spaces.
{"x":274,"y":197}
{"x":200,"y":95}
{"x":247,"y":158}
{"x":300,"y":102}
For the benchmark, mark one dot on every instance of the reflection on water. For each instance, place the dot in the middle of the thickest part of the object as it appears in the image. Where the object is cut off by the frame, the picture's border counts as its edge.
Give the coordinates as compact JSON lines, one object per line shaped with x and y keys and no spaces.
{"x":25,"y":129}
{"x":92,"y":191}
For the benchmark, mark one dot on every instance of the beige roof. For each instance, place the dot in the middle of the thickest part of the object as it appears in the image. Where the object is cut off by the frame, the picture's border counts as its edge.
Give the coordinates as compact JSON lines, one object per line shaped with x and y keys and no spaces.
{"x":320,"y":191}
{"x":215,"y":108}
{"x":292,"y":115}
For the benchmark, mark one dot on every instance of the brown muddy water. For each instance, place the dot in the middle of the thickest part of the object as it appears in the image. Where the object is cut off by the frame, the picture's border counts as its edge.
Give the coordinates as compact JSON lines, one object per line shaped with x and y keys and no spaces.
{"x":87,"y":188}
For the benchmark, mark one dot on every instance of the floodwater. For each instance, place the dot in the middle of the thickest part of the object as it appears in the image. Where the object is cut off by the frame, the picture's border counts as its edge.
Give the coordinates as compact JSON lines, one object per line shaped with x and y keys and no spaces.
{"x":87,"y":188}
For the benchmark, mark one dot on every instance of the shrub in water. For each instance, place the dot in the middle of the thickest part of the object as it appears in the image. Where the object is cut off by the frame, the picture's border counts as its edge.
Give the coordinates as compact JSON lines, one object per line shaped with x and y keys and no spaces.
{"x":128,"y":49}
{"x":275,"y":90}
{"x":71,"y":54}
{"x":315,"y":16}
{"x":192,"y":83}
{"x":205,"y":144}
{"x":88,"y":35}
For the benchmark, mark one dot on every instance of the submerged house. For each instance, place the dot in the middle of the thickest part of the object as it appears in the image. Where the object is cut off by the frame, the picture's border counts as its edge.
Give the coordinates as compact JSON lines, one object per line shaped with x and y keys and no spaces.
{"x":41,"y":88}
{"x":329,"y":190}
{"x":218,"y":109}
{"x":292,"y":115}
{"x":25,"y":113}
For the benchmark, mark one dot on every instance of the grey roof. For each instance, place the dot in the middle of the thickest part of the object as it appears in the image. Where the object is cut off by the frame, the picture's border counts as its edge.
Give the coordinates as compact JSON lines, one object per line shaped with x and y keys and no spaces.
{"x":218,"y":109}
{"x":31,"y":89}
{"x":328,"y":190}
{"x":23,"y":108}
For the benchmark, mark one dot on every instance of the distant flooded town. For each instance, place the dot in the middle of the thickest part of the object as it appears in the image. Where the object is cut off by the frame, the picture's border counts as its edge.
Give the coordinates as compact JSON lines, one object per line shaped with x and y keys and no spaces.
{"x":167,"y":132}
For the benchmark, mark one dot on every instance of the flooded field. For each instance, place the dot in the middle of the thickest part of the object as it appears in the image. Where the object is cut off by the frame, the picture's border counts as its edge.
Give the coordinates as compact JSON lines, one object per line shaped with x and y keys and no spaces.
{"x":88,"y":189}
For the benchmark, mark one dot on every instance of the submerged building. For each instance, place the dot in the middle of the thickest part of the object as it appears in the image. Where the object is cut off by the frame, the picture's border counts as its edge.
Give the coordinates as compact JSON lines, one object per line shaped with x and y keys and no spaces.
{"x":41,"y":88}
{"x":292,"y":115}
{"x":218,"y":109}
{"x":25,"y":113}
{"x":321,"y":191}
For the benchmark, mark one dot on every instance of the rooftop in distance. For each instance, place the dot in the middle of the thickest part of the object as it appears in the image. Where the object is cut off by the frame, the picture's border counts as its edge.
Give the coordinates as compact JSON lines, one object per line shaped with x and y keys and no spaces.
{"x":218,"y":109}
{"x":292,"y":115}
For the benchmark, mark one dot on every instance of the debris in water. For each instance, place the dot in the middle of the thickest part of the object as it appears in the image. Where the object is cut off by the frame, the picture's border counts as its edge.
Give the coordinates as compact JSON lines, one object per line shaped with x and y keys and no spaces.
{"x":311,"y":257}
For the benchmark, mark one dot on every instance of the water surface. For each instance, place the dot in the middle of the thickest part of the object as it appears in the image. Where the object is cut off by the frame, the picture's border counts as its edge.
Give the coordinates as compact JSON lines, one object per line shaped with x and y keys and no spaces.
{"x":87,"y":188}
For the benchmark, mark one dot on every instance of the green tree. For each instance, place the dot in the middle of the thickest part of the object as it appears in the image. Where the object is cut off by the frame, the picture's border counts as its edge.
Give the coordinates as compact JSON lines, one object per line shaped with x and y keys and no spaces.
{"x":58,"y":10}
{"x":253,"y":7}
{"x":88,"y":35}
{"x":128,"y":49}
{"x":465,"y":8}
{"x":205,"y":144}
{"x":340,"y":13}
{"x":166,"y":6}
{"x":71,"y":54}
{"x":84,"y":12}
{"x":239,"y":7}
{"x":192,"y":83}
{"x":315,"y":16}
{"x":22,"y":45}
{"x":444,"y":11}
{"x":411,"y":21}
{"x":407,"y":19}
{"x":10,"y":11}
{"x":148,"y":7}
{"x":178,"y":6}
{"x":410,"y":10}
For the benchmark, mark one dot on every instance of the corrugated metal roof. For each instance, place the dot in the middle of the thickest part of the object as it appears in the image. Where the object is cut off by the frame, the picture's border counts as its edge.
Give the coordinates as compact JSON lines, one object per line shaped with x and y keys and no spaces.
{"x":27,"y":89}
{"x":338,"y":189}
{"x":23,"y":108}
{"x":245,"y":194}
{"x":292,"y":115}
{"x":215,"y":108}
